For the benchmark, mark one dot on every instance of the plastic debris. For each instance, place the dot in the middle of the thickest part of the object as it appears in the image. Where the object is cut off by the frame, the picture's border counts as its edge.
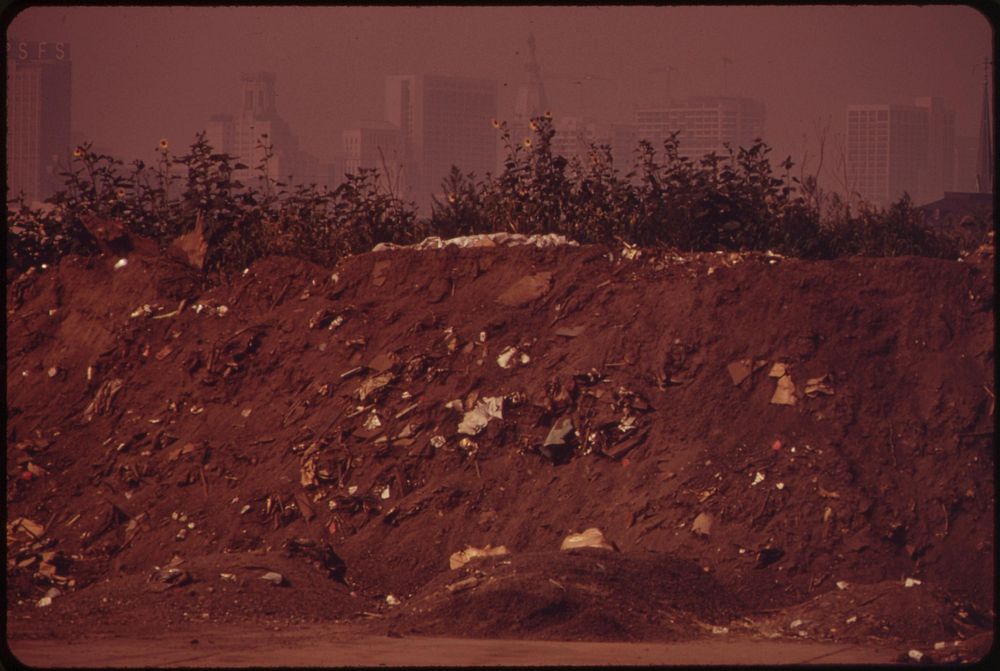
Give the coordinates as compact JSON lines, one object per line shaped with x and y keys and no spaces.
{"x":842,"y":584}
{"x":757,"y":479}
{"x":476,"y":419}
{"x":392,"y":600}
{"x":121,"y":263}
{"x":911,"y":582}
{"x":819,"y":385}
{"x":511,"y":356}
{"x":463,"y":557}
{"x":591,"y":538}
{"x":702,"y":524}
{"x":778,"y":370}
{"x":915,"y":655}
{"x":559,"y":432}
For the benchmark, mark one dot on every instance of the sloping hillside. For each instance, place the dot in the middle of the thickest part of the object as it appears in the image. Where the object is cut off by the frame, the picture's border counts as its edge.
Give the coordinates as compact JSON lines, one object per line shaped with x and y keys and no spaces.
{"x":754,"y":434}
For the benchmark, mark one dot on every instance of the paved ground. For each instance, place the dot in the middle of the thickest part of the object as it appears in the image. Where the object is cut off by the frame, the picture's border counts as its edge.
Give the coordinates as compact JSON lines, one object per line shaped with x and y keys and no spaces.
{"x":327,"y":646}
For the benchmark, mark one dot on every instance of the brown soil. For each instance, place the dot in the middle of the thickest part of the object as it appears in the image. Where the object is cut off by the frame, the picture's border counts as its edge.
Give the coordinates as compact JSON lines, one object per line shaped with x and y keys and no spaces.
{"x":885,"y":472}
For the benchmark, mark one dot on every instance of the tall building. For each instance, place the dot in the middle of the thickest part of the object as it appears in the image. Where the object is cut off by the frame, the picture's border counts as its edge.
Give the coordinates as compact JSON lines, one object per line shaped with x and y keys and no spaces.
{"x":258,"y":127}
{"x":376,"y":145}
{"x":984,"y":162}
{"x":966,"y":148}
{"x":705,"y":124}
{"x":443,"y":121}
{"x":574,"y":137}
{"x":38,"y":117}
{"x":892,"y":149}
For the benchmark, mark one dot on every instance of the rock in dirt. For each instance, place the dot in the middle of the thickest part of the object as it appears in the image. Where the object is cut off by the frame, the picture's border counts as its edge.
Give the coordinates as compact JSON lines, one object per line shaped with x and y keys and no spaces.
{"x":591,"y":538}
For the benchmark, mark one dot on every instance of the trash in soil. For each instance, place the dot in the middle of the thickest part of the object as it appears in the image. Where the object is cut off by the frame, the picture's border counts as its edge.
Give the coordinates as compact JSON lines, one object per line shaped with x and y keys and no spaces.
{"x":702,"y":524}
{"x":476,"y":419}
{"x":559,"y":432}
{"x":33,"y":528}
{"x":915,"y":655}
{"x":911,"y":582}
{"x":784,"y":392}
{"x":372,"y":385}
{"x":842,"y":584}
{"x":463,"y":557}
{"x":121,"y":263}
{"x":274,"y":578}
{"x":591,"y":538}
{"x":819,"y":385}
{"x":392,"y":600}
{"x":511,"y":356}
{"x":757,"y":479}
{"x":46,"y":600}
{"x":463,"y":584}
{"x":372,"y":422}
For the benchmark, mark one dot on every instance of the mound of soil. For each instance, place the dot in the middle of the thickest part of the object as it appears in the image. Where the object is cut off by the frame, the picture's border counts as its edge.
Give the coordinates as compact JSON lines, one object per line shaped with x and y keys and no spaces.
{"x":748,"y":430}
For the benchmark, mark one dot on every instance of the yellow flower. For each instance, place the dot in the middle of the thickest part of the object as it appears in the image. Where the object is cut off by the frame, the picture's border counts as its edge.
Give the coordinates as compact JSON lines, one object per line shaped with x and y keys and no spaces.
{"x":527,"y":143}
{"x":78,"y":152}
{"x":120,"y":193}
{"x":532,"y":125}
{"x":548,"y":114}
{"x":451,"y":198}
{"x":496,"y":123}
{"x":164,"y":145}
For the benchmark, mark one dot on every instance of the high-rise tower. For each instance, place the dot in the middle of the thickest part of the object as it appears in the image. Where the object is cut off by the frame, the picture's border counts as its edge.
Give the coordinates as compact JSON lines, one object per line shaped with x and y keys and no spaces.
{"x":38,"y":117}
{"x":984,"y":162}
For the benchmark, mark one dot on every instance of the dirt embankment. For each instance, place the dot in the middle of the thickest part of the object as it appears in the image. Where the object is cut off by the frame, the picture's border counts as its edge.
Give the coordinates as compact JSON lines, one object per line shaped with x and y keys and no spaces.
{"x":754,"y":435}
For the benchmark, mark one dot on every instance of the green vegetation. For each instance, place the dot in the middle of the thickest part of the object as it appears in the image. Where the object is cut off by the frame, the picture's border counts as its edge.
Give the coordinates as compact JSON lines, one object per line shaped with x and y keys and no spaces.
{"x":728,"y":202}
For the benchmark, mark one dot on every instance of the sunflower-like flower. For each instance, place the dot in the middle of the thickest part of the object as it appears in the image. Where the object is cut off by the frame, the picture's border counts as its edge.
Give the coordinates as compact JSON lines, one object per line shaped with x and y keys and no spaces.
{"x":164,"y":145}
{"x":78,"y":152}
{"x":532,"y":125}
{"x":451,"y":198}
{"x":495,"y":123}
{"x":527,"y":143}
{"x":120,"y":193}
{"x":548,"y":114}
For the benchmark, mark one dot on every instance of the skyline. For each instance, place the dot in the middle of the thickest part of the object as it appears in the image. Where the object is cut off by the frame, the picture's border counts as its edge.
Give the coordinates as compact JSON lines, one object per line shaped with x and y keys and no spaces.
{"x":131,"y":66}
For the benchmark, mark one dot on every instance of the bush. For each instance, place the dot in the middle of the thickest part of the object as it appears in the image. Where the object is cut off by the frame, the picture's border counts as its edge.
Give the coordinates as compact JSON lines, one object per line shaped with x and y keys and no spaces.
{"x":732,"y":201}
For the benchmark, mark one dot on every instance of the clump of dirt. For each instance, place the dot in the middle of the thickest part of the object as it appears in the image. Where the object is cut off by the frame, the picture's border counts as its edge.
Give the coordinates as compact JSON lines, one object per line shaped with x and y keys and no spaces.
{"x":748,"y":430}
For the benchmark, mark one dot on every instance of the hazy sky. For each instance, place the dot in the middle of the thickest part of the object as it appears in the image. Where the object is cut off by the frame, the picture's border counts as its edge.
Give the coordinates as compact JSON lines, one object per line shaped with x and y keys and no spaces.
{"x":142,"y":73}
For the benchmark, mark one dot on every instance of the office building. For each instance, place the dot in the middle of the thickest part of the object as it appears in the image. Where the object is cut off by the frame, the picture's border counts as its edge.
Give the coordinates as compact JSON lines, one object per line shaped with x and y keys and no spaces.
{"x":376,"y":146}
{"x":38,"y":117}
{"x":895,"y":149}
{"x":705,"y":124}
{"x":443,"y":121}
{"x":257,"y":129}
